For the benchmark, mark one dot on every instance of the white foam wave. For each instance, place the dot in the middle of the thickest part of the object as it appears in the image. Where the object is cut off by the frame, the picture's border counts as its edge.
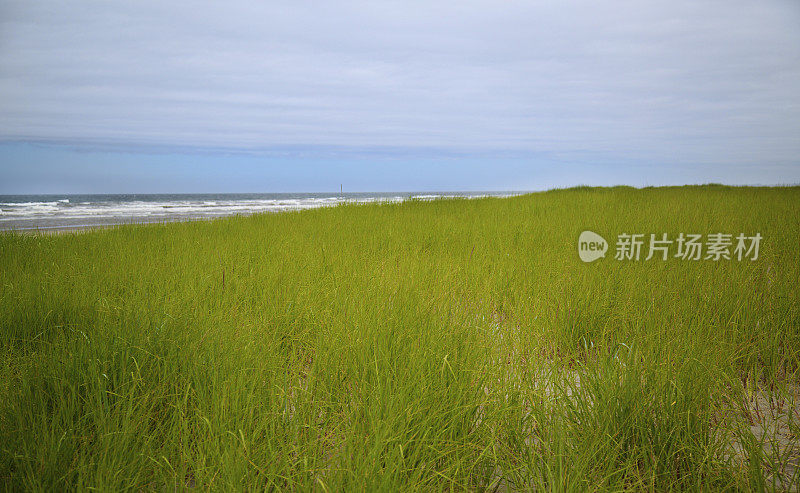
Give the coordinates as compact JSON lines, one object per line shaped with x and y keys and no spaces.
{"x":64,"y":212}
{"x":133,"y":209}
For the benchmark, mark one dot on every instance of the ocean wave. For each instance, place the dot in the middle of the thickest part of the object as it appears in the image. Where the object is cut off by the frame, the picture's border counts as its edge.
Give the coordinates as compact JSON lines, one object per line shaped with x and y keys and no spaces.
{"x":62,"y":211}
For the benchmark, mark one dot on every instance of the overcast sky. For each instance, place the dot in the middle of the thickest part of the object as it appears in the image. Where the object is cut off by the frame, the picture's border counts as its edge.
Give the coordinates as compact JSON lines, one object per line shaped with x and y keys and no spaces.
{"x":100,"y":96}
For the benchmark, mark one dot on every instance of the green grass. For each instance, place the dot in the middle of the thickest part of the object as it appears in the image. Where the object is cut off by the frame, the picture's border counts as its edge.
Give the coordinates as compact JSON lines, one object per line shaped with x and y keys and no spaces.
{"x":444,"y":345}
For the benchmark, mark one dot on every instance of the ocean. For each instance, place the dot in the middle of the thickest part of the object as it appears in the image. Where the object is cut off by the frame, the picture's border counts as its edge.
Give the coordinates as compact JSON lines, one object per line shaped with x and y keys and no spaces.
{"x":30,"y":212}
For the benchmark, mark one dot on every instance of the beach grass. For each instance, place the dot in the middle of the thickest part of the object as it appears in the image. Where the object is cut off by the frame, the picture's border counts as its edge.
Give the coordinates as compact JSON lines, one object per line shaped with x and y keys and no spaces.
{"x":456,"y":344}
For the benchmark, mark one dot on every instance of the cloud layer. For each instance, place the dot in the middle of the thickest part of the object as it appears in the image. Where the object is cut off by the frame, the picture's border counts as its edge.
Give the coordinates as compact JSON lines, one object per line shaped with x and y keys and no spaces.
{"x":671,"y":82}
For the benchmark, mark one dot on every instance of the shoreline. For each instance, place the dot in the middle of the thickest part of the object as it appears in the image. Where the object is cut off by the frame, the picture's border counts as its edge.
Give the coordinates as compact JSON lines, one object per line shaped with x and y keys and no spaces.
{"x":83,"y":228}
{"x":40,"y":214}
{"x":213,"y":209}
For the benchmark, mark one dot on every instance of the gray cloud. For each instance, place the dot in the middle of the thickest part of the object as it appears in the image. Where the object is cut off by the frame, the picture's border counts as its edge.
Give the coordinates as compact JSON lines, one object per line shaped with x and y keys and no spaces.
{"x":672,"y":81}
